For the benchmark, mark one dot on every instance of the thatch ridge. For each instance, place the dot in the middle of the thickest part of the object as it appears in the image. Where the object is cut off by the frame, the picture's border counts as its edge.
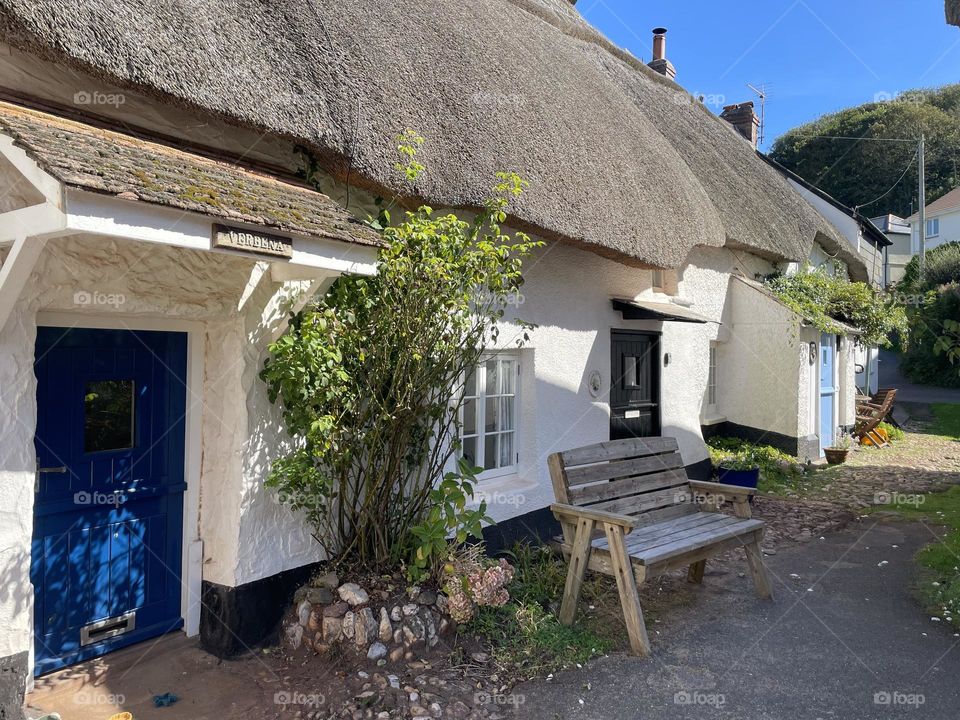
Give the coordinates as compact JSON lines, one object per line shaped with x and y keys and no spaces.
{"x":953,"y":12}
{"x":620,"y":160}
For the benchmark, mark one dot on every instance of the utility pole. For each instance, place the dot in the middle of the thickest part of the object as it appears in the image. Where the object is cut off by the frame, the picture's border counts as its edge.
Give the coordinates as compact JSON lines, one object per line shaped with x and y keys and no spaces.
{"x":923,"y":204}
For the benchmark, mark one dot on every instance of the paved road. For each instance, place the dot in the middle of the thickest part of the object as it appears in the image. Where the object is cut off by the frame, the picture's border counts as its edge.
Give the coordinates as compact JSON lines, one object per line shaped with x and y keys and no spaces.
{"x":859,"y":635}
{"x":890,"y":376}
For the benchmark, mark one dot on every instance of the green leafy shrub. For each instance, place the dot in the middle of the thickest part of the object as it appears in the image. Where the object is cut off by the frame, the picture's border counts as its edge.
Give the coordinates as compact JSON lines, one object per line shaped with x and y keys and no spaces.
{"x":942,"y":267}
{"x":893,"y":432}
{"x":370,"y":377}
{"x":827,"y":300}
{"x":928,"y":358}
{"x":777,"y":468}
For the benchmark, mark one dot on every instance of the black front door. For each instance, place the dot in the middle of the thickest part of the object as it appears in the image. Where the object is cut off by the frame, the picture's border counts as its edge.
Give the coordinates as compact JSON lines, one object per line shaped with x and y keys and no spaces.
{"x":634,"y":384}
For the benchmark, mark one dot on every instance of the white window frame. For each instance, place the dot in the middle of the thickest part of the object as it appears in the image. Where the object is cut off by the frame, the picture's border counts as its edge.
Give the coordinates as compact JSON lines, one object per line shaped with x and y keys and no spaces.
{"x":481,"y":433}
{"x":712,"y":377}
{"x":935,"y":224}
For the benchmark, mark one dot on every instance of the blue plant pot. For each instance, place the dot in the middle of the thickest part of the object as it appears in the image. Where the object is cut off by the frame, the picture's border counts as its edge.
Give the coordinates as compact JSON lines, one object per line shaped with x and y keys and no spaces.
{"x":740,"y":478}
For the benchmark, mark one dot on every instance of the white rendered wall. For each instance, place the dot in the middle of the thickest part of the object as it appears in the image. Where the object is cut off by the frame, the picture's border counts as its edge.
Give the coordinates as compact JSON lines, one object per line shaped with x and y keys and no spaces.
{"x":567,"y":295}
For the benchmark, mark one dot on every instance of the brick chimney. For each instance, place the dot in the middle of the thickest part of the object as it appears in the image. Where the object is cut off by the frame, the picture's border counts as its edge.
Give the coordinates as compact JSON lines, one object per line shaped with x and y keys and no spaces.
{"x":744,"y":119}
{"x":660,"y":63}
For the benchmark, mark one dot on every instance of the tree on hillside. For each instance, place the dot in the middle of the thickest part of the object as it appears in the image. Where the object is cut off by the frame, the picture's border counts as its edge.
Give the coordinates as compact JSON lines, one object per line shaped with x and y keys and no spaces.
{"x":858,"y":172}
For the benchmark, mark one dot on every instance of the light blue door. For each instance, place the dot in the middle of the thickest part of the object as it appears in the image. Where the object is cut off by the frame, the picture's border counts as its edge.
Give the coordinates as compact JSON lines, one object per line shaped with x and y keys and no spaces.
{"x":109,"y":491}
{"x":828,"y":391}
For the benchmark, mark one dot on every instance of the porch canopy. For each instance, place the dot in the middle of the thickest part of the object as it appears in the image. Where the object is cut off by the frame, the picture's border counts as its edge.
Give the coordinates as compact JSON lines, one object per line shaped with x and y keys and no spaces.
{"x":60,"y":177}
{"x":665,"y":312}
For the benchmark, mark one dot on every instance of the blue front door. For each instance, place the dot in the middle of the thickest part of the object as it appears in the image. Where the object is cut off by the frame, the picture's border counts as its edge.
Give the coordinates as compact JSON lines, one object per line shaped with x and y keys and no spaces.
{"x":828,"y":391}
{"x":107,"y":535}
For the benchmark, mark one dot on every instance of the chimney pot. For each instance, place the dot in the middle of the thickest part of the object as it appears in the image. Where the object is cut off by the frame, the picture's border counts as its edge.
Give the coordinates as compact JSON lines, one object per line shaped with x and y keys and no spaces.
{"x":660,"y":63}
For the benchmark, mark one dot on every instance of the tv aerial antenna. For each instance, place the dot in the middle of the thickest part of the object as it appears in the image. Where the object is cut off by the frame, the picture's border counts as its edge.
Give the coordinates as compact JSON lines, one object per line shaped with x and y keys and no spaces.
{"x":762,"y":92}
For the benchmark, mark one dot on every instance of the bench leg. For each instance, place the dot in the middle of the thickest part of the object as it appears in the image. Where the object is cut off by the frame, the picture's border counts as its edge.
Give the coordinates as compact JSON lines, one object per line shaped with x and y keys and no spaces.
{"x":761,"y":581}
{"x":695,"y":573}
{"x":627,"y":585}
{"x":579,"y":556}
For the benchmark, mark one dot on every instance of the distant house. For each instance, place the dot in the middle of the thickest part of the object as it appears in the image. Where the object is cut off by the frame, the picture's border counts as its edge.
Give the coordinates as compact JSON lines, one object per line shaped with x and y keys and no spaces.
{"x":898,"y":253}
{"x":865,"y":243}
{"x":942,"y":222}
{"x":154,"y":239}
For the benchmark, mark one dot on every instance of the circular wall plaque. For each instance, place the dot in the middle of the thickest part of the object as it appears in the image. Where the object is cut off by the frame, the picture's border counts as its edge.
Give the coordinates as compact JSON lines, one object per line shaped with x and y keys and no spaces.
{"x":595,"y":383}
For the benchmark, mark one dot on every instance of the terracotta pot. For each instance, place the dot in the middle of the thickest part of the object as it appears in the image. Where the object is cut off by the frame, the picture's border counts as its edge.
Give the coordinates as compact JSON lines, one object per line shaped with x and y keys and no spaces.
{"x":836,"y":456}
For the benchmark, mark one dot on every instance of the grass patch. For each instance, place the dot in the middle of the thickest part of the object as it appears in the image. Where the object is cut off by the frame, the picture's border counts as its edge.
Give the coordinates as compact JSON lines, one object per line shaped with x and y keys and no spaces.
{"x":947,"y":420}
{"x":526,"y":640}
{"x":939,"y":587}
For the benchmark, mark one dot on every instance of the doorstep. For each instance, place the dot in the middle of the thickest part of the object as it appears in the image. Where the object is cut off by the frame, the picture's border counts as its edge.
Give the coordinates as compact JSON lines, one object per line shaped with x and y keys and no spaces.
{"x":128,"y":679}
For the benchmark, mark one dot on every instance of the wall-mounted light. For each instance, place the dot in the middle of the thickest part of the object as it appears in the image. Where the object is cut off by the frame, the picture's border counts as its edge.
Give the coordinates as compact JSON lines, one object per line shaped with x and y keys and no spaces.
{"x":666,"y":359}
{"x":813,"y":353}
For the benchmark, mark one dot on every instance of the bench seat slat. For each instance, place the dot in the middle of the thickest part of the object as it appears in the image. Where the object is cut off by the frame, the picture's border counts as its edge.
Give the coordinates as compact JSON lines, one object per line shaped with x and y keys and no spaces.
{"x":694,"y":542}
{"x":667,"y":527}
{"x":652,"y":543}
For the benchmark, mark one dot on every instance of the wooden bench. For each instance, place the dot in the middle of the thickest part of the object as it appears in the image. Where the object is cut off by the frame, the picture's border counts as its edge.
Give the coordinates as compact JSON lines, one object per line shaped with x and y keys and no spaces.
{"x":871,"y":414}
{"x":627,"y":509}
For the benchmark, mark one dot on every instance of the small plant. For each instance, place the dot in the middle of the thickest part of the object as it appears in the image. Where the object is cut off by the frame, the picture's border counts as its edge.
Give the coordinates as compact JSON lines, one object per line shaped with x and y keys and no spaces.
{"x":842,"y":441}
{"x":472,"y":581}
{"x":743,"y":460}
{"x":448,"y":517}
{"x":892,"y":431}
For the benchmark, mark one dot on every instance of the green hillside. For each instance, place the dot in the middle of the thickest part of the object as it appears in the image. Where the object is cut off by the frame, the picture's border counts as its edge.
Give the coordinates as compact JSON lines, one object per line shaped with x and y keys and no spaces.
{"x":857,"y":172}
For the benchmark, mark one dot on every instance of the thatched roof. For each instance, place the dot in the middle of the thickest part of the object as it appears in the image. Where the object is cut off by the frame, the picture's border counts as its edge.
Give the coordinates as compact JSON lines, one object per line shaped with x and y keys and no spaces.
{"x":110,"y":163}
{"x":953,"y":12}
{"x":620,"y":160}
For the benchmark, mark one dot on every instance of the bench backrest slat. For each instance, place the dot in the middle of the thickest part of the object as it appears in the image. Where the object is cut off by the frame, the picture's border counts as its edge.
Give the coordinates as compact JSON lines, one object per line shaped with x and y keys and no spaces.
{"x":637,"y":476}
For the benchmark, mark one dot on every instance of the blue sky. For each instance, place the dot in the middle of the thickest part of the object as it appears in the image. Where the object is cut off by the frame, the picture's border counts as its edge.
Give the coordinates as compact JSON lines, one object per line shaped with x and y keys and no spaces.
{"x":816,"y":56}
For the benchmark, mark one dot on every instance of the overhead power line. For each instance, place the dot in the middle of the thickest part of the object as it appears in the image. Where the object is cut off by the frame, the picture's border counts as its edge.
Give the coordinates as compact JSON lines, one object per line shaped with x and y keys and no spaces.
{"x":899,"y":180}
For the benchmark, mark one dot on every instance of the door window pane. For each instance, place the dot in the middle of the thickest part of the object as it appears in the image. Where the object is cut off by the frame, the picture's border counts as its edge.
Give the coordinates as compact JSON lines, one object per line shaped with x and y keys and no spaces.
{"x":108,"y":415}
